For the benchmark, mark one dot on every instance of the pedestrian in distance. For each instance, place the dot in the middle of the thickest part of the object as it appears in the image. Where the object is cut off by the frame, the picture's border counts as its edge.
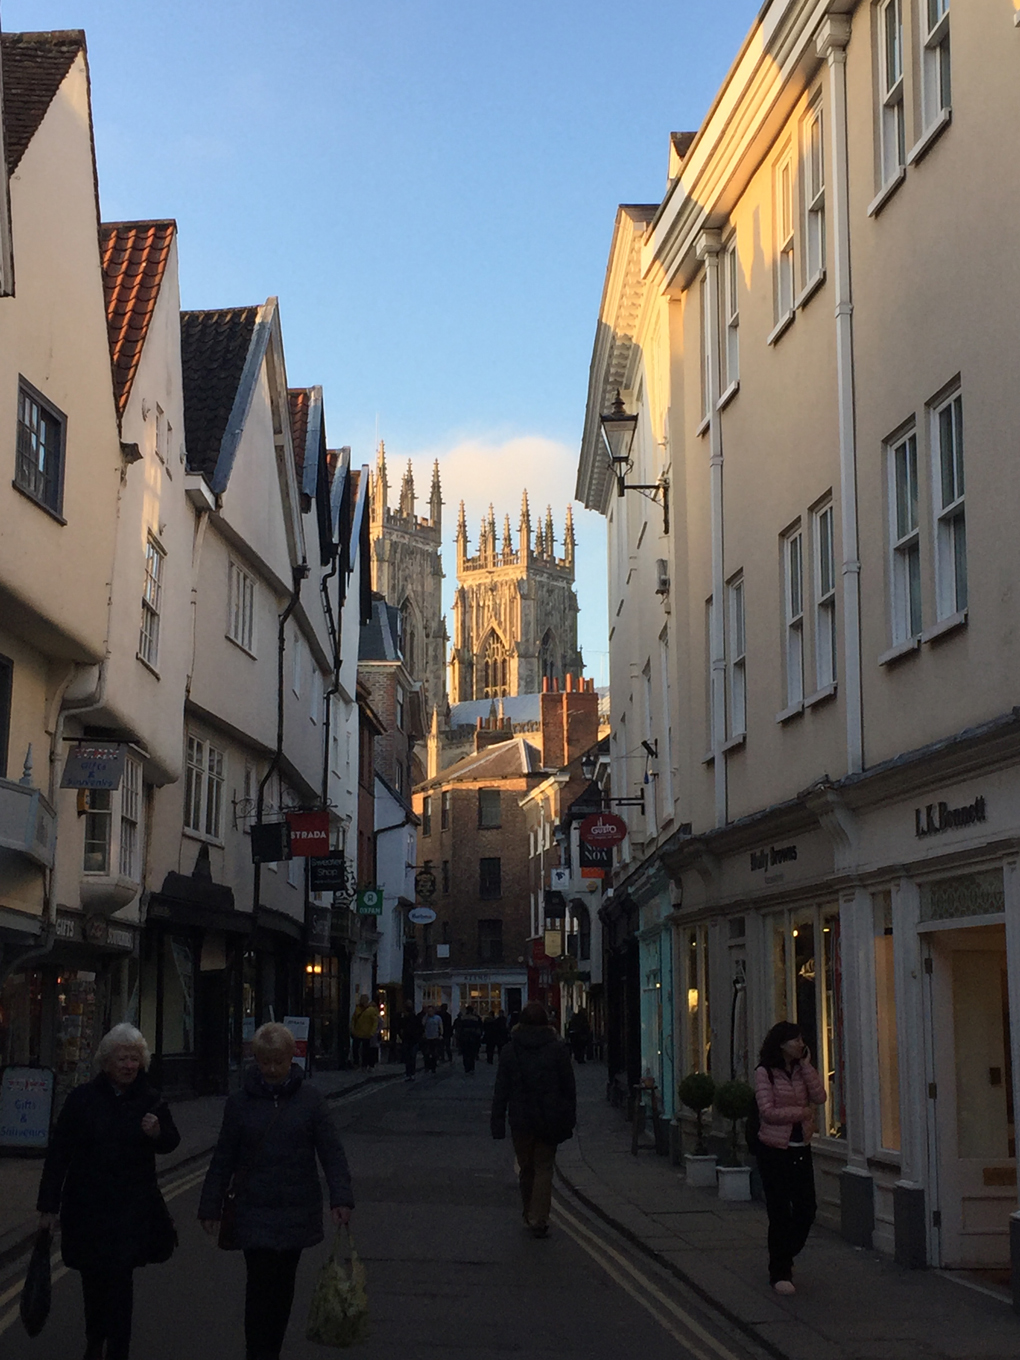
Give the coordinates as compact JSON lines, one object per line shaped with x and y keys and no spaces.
{"x":273,"y":1130}
{"x":469,"y":1031}
{"x":432,"y":1039}
{"x":447,"y":1019}
{"x":99,"y":1177}
{"x":502,"y":1031}
{"x":364,"y":1028}
{"x":489,"y":1036}
{"x":579,"y":1035}
{"x":787,"y":1089}
{"x":535,"y":1091}
{"x":411,"y":1032}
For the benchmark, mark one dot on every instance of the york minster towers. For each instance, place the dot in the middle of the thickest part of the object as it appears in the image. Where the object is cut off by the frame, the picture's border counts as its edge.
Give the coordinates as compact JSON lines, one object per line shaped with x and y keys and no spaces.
{"x":408,"y":572}
{"x":515,"y":609}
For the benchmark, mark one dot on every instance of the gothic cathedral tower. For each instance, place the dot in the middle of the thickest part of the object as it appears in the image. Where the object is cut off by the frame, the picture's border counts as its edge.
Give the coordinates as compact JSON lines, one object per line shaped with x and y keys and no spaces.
{"x":515,"y":610}
{"x":408,"y":573}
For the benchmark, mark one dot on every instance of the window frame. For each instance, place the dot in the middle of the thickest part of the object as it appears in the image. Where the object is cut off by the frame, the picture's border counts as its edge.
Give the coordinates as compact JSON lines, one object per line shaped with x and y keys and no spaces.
{"x":823,"y":519}
{"x":241,"y":612}
{"x":204,"y":780}
{"x":936,"y":62}
{"x":490,"y":882}
{"x":813,"y":178}
{"x":445,"y":810}
{"x":731,"y":315}
{"x":152,"y":603}
{"x":736,"y":656}
{"x":949,"y":516}
{"x":785,"y":227}
{"x":131,"y":803}
{"x":793,"y":613}
{"x":906,"y":595}
{"x":52,"y":500}
{"x":494,"y":939}
{"x":891,"y":93}
{"x":486,"y":794}
{"x":98,"y":813}
{"x":426,"y":815}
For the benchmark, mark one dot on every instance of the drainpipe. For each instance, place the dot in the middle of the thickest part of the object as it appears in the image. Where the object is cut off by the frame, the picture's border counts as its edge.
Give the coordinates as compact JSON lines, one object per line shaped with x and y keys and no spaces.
{"x":708,"y":247}
{"x":831,"y":44}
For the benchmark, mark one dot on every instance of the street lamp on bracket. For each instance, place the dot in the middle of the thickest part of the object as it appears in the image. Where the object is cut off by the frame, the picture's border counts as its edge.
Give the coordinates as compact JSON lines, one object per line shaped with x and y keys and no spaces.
{"x":619,"y":429}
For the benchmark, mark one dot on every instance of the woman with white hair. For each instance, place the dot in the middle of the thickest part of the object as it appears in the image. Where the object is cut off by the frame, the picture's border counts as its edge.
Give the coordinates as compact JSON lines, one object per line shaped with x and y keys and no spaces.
{"x":100,"y":1178}
{"x":264,"y":1174}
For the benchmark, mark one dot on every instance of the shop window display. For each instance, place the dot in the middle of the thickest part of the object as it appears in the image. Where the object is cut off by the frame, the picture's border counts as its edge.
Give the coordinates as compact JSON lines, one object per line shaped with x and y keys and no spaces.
{"x":77,"y":1033}
{"x":176,"y":957}
{"x":885,"y":1026}
{"x":699,"y":1031}
{"x":484,"y":996}
{"x":20,"y":1013}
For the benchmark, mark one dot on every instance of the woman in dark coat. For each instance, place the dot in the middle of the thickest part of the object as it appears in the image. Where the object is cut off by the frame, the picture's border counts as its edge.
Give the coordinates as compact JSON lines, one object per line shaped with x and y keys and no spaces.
{"x":273,"y":1130}
{"x":100,"y":1178}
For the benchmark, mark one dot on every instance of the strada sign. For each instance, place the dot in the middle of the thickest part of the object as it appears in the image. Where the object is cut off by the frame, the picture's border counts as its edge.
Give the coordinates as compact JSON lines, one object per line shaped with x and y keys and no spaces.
{"x":603,"y":828}
{"x":309,"y":833}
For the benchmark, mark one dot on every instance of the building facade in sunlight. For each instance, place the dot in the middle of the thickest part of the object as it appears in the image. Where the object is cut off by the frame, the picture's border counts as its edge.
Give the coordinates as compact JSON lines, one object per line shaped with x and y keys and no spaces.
{"x":813,"y":659}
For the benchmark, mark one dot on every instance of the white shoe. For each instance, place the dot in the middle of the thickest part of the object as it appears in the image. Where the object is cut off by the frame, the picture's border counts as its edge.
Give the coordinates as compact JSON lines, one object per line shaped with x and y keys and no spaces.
{"x":784,"y":1287}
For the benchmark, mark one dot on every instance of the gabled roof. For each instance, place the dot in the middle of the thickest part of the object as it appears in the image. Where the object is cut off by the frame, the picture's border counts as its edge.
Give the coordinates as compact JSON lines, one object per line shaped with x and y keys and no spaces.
{"x":134,"y":258}
{"x":214,"y":348}
{"x":504,"y":760}
{"x":300,"y":399}
{"x":380,"y":636}
{"x":34,"y":65}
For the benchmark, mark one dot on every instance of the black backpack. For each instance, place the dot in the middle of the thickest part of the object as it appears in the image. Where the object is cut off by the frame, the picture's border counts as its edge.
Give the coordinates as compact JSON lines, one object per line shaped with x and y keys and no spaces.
{"x":752,"y":1126}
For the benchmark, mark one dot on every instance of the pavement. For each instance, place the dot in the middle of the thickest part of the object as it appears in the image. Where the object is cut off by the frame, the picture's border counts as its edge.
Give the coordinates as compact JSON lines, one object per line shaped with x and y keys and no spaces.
{"x":198,"y":1120}
{"x":850,"y":1304}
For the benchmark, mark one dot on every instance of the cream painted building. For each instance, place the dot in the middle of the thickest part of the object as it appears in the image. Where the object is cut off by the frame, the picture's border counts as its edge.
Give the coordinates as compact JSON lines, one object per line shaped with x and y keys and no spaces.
{"x":819,"y":653}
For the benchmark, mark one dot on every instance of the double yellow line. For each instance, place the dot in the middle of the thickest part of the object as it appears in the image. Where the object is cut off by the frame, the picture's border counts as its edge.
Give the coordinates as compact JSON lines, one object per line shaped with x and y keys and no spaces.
{"x":667,"y":1313}
{"x":12,"y":1293}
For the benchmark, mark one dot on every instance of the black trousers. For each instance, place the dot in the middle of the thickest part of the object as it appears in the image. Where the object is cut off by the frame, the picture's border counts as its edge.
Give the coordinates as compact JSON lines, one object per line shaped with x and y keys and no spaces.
{"x":788,"y":1180}
{"x":268,"y":1297}
{"x":108,"y":1296}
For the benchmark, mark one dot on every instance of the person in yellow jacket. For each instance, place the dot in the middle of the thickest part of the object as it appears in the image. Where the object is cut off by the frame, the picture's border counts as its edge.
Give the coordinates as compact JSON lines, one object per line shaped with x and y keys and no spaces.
{"x":364,"y":1028}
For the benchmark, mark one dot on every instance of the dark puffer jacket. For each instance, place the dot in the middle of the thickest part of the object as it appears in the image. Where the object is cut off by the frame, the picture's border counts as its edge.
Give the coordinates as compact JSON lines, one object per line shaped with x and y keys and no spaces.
{"x":100,"y":1174}
{"x":270,"y":1138}
{"x":535,"y":1086}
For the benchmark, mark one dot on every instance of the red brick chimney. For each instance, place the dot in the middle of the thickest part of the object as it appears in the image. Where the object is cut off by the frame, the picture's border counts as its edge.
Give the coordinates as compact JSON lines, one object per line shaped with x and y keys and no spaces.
{"x":570,"y":720}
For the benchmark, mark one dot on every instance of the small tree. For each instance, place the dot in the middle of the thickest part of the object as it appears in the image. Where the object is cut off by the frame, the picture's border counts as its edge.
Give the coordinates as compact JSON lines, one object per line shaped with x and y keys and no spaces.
{"x":734,"y":1100}
{"x":696,"y":1092}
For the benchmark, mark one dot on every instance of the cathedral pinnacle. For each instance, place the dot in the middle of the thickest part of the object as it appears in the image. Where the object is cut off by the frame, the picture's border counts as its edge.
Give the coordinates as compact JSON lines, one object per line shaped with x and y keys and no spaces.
{"x":462,"y":524}
{"x":436,"y":498}
{"x":407,"y":496}
{"x":569,"y":541}
{"x":508,"y":544}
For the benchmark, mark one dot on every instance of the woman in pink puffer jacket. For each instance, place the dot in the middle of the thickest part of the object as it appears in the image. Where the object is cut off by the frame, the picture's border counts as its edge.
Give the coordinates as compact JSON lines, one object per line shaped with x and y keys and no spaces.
{"x":787,"y":1089}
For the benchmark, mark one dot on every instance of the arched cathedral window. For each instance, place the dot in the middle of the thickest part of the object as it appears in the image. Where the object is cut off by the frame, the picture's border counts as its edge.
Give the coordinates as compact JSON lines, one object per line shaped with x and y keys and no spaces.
{"x":548,"y":659}
{"x":495,"y":668}
{"x":408,"y":639}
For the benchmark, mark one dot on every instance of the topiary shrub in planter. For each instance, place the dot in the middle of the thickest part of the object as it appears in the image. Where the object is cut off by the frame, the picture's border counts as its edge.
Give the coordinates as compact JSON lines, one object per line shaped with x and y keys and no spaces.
{"x":696,"y":1091}
{"x":734,"y":1100}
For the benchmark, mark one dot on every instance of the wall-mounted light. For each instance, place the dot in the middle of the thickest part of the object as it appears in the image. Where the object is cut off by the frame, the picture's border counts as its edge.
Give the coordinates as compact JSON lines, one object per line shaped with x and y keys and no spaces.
{"x":619,"y":428}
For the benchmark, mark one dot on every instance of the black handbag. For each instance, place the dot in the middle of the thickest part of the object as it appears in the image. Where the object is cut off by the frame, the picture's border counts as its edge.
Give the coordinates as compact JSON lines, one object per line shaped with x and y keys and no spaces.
{"x":162,"y":1231}
{"x":35,"y":1293}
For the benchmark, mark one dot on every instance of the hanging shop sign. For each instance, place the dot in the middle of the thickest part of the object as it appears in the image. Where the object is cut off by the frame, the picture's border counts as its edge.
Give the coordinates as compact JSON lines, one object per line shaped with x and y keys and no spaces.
{"x":309,"y":833}
{"x":938,"y":817}
{"x":270,"y":842}
{"x":421,"y":916}
{"x":425,"y":883}
{"x":603,"y":828}
{"x":595,"y":861}
{"x":370,"y":902}
{"x":26,"y":1107}
{"x":317,"y":929}
{"x":94,"y":765}
{"x":328,"y":873}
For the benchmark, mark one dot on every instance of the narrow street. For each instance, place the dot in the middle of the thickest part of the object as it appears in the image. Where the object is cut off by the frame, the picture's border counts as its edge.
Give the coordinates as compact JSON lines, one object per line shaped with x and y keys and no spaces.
{"x":450,"y":1269}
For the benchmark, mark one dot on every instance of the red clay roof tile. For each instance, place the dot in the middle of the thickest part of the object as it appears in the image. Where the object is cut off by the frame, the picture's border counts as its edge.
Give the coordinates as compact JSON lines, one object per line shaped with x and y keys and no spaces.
{"x":134,"y":257}
{"x":300,"y":400}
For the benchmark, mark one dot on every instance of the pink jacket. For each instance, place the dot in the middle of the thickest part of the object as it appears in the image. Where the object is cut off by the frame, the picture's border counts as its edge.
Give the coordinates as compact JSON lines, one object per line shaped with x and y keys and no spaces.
{"x":782,"y":1097}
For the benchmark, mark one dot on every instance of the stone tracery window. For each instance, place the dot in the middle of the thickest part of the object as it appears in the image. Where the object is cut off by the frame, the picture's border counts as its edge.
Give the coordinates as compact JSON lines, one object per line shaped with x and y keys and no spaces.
{"x":495,"y":668}
{"x":548,"y":657}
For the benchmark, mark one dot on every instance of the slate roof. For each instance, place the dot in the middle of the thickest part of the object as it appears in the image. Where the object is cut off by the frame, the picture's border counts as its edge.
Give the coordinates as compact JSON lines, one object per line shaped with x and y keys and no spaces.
{"x":300,"y":399}
{"x":378,"y":640}
{"x":517,"y":707}
{"x":34,"y":65}
{"x":134,"y":257}
{"x":214,"y":346}
{"x":503,"y":760}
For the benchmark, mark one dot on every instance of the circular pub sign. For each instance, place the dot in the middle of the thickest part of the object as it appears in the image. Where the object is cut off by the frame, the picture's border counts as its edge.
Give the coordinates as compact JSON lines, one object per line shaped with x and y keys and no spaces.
{"x":421,"y":916}
{"x":603,"y":828}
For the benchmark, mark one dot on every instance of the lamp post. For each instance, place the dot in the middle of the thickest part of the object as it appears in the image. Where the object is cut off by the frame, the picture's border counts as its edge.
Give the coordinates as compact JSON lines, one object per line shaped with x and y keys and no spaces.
{"x":619,"y":428}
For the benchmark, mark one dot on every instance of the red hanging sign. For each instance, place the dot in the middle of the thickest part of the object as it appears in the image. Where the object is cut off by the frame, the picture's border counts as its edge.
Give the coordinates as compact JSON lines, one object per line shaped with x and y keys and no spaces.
{"x":603,"y":828}
{"x":309,"y":834}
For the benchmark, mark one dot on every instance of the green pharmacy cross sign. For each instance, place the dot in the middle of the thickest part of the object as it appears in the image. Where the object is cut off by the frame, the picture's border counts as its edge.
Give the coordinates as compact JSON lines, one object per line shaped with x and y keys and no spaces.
{"x":370,"y":902}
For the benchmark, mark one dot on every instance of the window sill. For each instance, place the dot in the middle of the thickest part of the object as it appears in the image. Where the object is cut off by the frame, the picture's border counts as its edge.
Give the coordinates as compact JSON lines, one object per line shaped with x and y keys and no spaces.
{"x":47,"y":509}
{"x":148,"y":665}
{"x":735,"y":743}
{"x":780,"y":327}
{"x":898,"y":652}
{"x":886,"y":192}
{"x":200,"y":836}
{"x":820,"y":695}
{"x":241,"y":647}
{"x":944,"y":626}
{"x":810,"y":290}
{"x":705,"y":422}
{"x":918,"y":152}
{"x":728,"y":395}
{"x":794,"y":711}
{"x":882,"y":1160}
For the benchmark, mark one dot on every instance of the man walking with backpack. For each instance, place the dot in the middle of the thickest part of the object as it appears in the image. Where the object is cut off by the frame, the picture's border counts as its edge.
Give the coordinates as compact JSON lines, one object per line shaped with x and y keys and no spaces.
{"x":535,"y":1088}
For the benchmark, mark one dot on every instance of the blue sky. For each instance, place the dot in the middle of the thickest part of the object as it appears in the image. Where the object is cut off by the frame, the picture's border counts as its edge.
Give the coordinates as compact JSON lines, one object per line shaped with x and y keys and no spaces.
{"x":429,"y":187}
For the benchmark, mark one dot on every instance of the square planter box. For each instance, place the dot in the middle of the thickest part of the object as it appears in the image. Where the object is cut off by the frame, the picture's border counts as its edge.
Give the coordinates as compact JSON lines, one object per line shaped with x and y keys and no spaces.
{"x":734,"y":1182}
{"x":700,"y":1171}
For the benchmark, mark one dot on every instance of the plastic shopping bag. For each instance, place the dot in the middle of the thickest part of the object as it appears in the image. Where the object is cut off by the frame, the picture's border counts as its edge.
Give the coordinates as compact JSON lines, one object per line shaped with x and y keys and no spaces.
{"x":35,"y":1293}
{"x":339,"y":1312}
